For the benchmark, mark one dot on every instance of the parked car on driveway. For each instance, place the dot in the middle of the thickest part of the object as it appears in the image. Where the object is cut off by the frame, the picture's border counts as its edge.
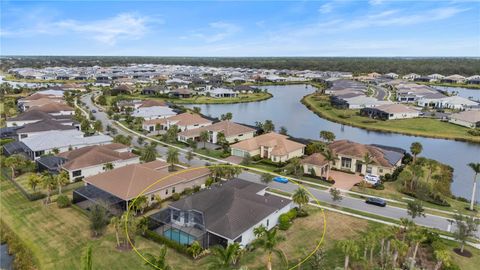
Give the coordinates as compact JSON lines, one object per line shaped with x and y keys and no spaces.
{"x":376,"y":201}
{"x":280,"y":179}
{"x":94,"y":111}
{"x":372,"y":179}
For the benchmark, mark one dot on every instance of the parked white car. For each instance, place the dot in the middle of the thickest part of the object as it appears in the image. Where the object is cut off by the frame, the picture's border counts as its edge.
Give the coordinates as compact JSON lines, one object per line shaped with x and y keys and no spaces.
{"x":372,"y":179}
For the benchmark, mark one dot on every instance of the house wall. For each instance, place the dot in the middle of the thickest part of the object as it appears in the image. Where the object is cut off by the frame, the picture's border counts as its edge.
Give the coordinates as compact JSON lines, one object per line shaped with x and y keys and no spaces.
{"x":248,"y":236}
{"x":243,"y":153}
{"x":63,"y":113}
{"x":296,"y":153}
{"x":240,"y":137}
{"x":96,"y":169}
{"x":19,"y":123}
{"x":375,"y":169}
{"x":403,"y":115}
{"x":462,"y":123}
{"x":166,"y":192}
{"x":318,"y":169}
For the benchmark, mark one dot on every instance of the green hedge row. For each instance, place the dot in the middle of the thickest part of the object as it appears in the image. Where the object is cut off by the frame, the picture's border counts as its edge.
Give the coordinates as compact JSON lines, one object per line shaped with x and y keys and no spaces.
{"x":167,"y":242}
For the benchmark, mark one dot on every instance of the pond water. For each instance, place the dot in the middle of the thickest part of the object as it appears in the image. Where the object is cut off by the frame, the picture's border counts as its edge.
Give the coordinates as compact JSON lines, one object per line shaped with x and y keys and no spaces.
{"x":285,"y":109}
{"x":473,"y":94}
{"x":5,"y":258}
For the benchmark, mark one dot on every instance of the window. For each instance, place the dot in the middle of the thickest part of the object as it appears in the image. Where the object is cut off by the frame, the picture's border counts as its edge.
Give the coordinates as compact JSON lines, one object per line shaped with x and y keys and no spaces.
{"x":380,"y":170}
{"x":166,"y":191}
{"x":23,"y":136}
{"x":268,"y":223}
{"x":346,"y":162}
{"x":240,"y":135}
{"x":173,"y":190}
{"x":77,"y":173}
{"x":369,"y":169}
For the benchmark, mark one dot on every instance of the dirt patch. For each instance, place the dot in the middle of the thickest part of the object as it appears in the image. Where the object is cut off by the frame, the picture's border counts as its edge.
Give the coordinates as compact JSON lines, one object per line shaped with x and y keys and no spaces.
{"x":465,"y":252}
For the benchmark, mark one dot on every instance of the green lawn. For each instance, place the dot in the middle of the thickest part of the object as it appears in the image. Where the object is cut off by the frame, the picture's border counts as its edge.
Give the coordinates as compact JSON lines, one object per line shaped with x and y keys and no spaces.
{"x":426,"y":127}
{"x":242,"y":98}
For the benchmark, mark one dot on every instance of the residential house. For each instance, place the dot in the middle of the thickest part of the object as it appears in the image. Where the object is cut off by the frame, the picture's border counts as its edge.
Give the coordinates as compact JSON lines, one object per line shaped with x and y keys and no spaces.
{"x":54,"y":108}
{"x":316,"y":163}
{"x":452,"y":102}
{"x":155,"y":90}
{"x":121,"y":89}
{"x":154,"y":112}
{"x":391,"y":75}
{"x":34,"y":116}
{"x":470,"y":119}
{"x":273,"y":146}
{"x":232,"y":131}
{"x":184,"y":121}
{"x":453,"y":79}
{"x":411,"y":76}
{"x":436,"y":77}
{"x":390,"y":112}
{"x":222,"y":214}
{"x":122,"y":185}
{"x":42,"y":127}
{"x":221,"y":93}
{"x":475,"y":79}
{"x":91,"y":160}
{"x":350,"y":156}
{"x":61,"y":141}
{"x":182,"y":93}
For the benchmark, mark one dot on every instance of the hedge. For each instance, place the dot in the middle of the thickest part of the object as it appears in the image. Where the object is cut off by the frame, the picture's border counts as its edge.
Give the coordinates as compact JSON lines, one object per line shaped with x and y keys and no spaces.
{"x":167,"y":242}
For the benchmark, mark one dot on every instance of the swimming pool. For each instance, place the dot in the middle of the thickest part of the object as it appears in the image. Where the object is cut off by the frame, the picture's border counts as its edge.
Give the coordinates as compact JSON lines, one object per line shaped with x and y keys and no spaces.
{"x":179,"y":236}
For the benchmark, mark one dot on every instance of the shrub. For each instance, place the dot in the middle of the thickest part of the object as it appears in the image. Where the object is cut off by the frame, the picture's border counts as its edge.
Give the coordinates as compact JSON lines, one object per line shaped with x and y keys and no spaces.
{"x":187,"y":191}
{"x":23,"y":258}
{"x":284,"y":222}
{"x":167,"y":242}
{"x":176,"y":196}
{"x":209,"y":182}
{"x":196,"y":188}
{"x":380,"y":187}
{"x":63,"y":201}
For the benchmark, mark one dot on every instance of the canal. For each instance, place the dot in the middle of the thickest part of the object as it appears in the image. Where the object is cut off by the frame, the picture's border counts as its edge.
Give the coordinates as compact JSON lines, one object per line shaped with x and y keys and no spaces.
{"x":285,"y":109}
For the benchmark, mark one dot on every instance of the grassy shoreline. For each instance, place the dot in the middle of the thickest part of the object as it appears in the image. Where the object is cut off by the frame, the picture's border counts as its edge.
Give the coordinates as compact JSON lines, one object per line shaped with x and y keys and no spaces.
{"x":412,"y":127}
{"x":455,"y":85}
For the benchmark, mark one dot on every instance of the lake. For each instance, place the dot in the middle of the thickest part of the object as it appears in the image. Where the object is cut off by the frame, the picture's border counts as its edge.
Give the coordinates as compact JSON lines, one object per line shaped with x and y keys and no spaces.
{"x":285,"y":109}
{"x":473,"y":94}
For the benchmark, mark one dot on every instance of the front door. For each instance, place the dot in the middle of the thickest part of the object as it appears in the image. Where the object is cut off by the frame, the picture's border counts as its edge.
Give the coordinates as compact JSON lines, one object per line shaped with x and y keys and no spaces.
{"x":359,"y":168}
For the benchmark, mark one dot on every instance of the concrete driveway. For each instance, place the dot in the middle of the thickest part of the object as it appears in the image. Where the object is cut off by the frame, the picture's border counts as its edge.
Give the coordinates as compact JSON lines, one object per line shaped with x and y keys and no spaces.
{"x":344,"y":180}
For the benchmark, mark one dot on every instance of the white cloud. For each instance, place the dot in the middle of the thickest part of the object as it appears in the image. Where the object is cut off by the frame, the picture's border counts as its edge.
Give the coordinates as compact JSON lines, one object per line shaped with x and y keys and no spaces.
{"x":326,"y":8}
{"x":218,"y":31}
{"x":124,"y":26}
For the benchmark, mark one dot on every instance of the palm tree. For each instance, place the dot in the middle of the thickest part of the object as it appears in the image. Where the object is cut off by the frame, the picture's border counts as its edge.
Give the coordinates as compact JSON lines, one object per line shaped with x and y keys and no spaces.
{"x":189,"y":156}
{"x":159,"y":262}
{"x":476,"y":169}
{"x":139,"y":204}
{"x":149,"y":153}
{"x":195,"y":249}
{"x":87,"y":262}
{"x":367,"y":160}
{"x":14,"y":162}
{"x":172,"y":157}
{"x":349,"y":249}
{"x":416,"y":148}
{"x":268,"y":241}
{"x":406,"y":224}
{"x":49,"y":183}
{"x":224,"y":258}
{"x":399,"y":250}
{"x":416,"y":236}
{"x":108,"y":166}
{"x":115,"y":222}
{"x":267,"y":178}
{"x":62,"y":179}
{"x":300,"y":197}
{"x":204,"y":137}
{"x":330,"y":158}
{"x":197,"y":110}
{"x":259,"y":231}
{"x":33,"y":181}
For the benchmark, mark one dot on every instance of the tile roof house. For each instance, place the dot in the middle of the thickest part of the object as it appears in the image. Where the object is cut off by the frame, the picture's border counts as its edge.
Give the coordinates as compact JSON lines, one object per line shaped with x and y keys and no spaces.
{"x":147,"y":179}
{"x":222,"y":214}
{"x":54,"y":108}
{"x":184,"y":121}
{"x":350,"y":157}
{"x":273,"y":146}
{"x":233,"y":132}
{"x":35,"y":116}
{"x":91,"y":160}
{"x":317,"y":163}
{"x":470,"y":119}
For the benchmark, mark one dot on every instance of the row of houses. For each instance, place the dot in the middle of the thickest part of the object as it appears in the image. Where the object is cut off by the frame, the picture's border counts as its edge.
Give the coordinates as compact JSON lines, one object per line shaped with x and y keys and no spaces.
{"x":455,"y":78}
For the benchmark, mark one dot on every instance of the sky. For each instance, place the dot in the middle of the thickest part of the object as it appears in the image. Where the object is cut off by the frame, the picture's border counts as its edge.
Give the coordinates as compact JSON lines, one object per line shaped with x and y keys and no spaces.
{"x":241,"y":28}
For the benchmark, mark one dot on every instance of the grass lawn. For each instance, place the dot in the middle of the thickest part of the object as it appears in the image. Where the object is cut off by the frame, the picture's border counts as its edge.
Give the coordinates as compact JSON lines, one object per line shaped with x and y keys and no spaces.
{"x":426,"y":127}
{"x":242,"y":98}
{"x":211,"y":153}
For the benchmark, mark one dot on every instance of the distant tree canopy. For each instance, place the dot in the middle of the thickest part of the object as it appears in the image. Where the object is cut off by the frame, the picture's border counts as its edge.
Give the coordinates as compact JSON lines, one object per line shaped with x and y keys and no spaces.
{"x":401,"y":65}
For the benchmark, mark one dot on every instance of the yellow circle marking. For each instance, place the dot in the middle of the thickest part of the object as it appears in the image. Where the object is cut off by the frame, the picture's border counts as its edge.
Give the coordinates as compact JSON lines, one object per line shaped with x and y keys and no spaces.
{"x":243,"y":167}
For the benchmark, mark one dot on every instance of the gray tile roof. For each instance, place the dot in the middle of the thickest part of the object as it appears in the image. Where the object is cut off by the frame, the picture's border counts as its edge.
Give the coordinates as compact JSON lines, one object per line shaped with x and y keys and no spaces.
{"x":233,"y":207}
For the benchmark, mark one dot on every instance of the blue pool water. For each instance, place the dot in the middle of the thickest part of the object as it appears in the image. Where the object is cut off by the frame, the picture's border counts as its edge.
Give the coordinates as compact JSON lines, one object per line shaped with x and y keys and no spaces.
{"x":179,"y":236}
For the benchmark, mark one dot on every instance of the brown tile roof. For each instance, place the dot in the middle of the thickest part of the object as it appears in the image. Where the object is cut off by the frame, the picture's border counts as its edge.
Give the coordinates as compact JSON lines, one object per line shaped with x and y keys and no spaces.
{"x":152,"y":103}
{"x":37,"y":96}
{"x":358,"y":150}
{"x":183,"y":119}
{"x":315,"y":159}
{"x":44,"y":101}
{"x":94,"y":155}
{"x":129,"y":181}
{"x":228,"y":128}
{"x":467,"y":116}
{"x":52,"y":108}
{"x":280,"y":143}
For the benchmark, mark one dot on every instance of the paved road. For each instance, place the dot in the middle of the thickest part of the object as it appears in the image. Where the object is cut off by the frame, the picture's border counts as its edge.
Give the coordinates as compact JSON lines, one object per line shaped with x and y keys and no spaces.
{"x":432,"y":221}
